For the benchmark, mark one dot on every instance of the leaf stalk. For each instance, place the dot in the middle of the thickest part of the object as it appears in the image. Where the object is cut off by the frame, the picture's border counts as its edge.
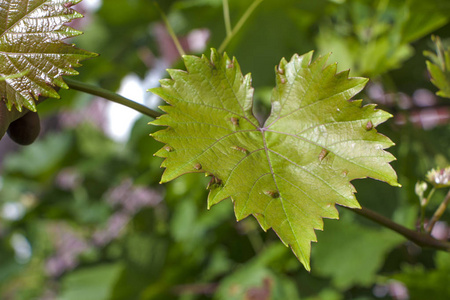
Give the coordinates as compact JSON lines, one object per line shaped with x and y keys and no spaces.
{"x":422,"y":209}
{"x":170,"y":30}
{"x":108,"y":95}
{"x":439,"y":212}
{"x":239,"y":24}
{"x":226,"y":17}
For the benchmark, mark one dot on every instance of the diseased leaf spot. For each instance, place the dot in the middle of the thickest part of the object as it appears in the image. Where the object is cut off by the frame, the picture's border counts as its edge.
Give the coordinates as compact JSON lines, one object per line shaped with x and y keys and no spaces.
{"x":198,"y":166}
{"x":323,"y":154}
{"x":168,"y":148}
{"x":272,"y":194}
{"x":214,"y":183}
{"x":283,"y":80}
{"x":344,"y":173}
{"x":243,"y":150}
{"x":235,"y":121}
{"x":369,"y":126}
{"x":230,"y":64}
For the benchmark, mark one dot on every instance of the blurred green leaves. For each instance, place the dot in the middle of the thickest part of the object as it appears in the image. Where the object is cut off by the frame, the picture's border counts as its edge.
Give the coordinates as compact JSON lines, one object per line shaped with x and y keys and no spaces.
{"x":423,"y":283}
{"x":352,"y":254}
{"x":439,"y":67}
{"x":40,"y":159}
{"x":373,"y":37}
{"x":94,"y":283}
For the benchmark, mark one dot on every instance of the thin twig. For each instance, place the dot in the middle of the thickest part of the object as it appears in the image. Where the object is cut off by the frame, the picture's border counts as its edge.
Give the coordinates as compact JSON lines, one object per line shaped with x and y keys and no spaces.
{"x":101,"y":92}
{"x":439,"y":212}
{"x":421,"y":239}
{"x":170,"y":30}
{"x":422,"y":209}
{"x":226,"y":17}
{"x":239,"y":25}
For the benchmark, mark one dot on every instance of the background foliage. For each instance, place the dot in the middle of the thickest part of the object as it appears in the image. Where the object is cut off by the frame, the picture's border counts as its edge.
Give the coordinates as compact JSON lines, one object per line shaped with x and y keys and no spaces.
{"x":83,"y":216}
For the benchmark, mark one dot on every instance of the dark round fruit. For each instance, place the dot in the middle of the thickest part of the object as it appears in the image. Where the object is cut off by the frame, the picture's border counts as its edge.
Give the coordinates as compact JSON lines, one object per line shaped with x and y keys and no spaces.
{"x":25,"y":130}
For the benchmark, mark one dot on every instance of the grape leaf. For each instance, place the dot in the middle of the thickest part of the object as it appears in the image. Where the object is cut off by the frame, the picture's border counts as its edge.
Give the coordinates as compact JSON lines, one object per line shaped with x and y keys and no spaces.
{"x":439,"y":67}
{"x":31,"y":34}
{"x":290,"y":172}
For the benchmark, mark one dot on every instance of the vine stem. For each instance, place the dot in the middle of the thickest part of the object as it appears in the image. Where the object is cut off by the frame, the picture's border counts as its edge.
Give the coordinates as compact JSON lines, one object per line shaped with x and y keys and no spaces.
{"x":422,"y":209}
{"x":226,"y":17}
{"x":239,"y":24}
{"x":419,"y":238}
{"x":170,"y":30}
{"x":439,"y":212}
{"x":106,"y":94}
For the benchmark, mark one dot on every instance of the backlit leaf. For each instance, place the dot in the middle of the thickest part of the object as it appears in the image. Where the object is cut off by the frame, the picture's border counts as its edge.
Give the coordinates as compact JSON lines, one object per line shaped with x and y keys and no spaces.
{"x":288,"y":173}
{"x":31,"y":34}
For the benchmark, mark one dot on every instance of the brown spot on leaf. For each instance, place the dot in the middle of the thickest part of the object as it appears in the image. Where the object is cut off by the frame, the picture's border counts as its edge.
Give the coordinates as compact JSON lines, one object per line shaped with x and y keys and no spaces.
{"x":214,"y":183}
{"x":280,"y":70}
{"x":198,"y":166}
{"x":323,"y":154}
{"x":369,"y":126}
{"x":235,"y":121}
{"x":243,"y":150}
{"x":273,"y":194}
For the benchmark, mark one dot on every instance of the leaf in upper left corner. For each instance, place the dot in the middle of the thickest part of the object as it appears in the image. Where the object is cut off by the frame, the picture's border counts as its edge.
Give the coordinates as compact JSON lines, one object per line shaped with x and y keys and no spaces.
{"x":31,"y":34}
{"x":439,"y":67}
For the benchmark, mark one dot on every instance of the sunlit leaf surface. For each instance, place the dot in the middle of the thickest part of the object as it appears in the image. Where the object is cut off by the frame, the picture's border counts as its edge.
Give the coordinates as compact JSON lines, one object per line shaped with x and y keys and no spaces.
{"x":288,"y":173}
{"x":31,"y":34}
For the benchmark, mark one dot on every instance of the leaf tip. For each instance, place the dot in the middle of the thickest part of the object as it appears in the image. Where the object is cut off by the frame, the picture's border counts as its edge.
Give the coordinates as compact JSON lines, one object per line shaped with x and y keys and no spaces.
{"x":396,"y":184}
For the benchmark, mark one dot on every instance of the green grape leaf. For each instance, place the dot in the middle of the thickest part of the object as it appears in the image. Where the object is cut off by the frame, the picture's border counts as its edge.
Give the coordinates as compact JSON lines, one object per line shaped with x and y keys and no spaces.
{"x":290,"y":172}
{"x":439,"y":67}
{"x":31,"y":34}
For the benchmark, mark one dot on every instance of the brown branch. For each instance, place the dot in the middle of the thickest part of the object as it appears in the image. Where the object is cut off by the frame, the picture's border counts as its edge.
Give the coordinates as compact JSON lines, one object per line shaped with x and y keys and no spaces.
{"x":419,"y":238}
